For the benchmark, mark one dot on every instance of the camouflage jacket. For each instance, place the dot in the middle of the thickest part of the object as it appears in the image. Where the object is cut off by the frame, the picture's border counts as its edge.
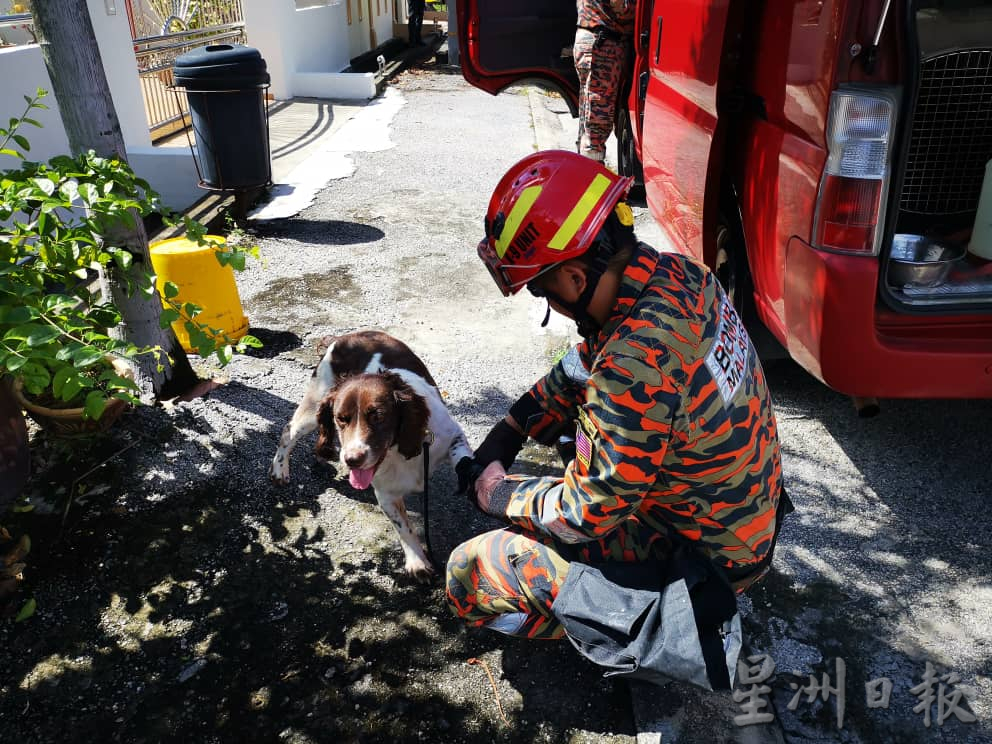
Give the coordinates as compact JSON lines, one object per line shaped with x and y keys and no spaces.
{"x":675,"y":422}
{"x":615,"y":15}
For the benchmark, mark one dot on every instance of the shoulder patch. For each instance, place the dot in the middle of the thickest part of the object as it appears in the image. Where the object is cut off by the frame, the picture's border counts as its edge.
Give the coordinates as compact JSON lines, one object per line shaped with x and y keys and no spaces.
{"x":727,"y":358}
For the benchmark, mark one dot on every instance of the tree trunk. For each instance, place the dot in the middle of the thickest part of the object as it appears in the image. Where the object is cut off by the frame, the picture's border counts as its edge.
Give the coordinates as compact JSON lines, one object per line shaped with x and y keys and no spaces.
{"x":72,"y":56}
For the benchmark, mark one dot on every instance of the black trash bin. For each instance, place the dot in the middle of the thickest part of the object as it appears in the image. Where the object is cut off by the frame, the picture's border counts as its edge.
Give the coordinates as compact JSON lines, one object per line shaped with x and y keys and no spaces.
{"x":225,"y":85}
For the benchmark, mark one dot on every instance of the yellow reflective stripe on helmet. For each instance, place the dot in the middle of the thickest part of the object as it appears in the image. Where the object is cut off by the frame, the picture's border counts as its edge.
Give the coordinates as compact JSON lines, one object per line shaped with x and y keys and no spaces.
{"x":583,"y":207}
{"x":526,"y":200}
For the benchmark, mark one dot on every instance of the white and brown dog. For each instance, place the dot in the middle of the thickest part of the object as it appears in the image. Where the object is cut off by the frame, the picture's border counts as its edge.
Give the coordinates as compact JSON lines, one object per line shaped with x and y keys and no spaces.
{"x":374,"y":404}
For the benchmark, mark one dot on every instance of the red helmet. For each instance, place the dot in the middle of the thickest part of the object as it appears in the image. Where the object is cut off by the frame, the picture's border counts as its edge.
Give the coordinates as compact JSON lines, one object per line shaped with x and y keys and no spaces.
{"x":547,"y":209}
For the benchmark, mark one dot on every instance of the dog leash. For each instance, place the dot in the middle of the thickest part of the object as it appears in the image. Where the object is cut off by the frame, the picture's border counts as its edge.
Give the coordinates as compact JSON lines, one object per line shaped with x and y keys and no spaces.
{"x":428,"y":441}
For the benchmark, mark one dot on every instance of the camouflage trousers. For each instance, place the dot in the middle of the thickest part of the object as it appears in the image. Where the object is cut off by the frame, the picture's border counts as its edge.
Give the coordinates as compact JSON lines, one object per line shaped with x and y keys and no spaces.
{"x":600,"y":67}
{"x":506,"y":580}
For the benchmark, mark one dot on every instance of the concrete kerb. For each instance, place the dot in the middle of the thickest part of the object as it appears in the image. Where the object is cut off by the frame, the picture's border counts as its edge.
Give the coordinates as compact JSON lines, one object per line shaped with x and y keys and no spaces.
{"x":405,"y":58}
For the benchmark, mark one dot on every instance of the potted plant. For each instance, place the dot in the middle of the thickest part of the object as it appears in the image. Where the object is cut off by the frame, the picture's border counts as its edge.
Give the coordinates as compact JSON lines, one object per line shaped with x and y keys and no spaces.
{"x":69,"y":371}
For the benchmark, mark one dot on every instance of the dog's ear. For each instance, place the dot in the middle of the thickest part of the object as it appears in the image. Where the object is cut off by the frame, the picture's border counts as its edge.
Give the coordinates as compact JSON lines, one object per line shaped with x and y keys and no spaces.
{"x":413,"y":416}
{"x":327,"y":432}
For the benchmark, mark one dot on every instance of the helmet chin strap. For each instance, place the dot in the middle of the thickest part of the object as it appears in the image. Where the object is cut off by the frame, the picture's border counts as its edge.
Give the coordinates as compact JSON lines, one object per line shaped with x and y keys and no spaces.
{"x":586,"y":325}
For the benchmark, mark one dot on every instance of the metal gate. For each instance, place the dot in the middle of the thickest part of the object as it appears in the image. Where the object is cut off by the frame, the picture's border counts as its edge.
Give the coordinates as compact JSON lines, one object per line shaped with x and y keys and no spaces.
{"x":164,"y":29}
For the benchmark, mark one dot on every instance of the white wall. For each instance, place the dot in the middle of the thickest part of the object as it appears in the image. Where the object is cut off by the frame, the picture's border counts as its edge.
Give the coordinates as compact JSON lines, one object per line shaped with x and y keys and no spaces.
{"x":320,"y":36}
{"x":384,"y":22}
{"x":22,"y":72}
{"x":306,"y":49}
{"x":267,"y":25}
{"x":170,"y":171}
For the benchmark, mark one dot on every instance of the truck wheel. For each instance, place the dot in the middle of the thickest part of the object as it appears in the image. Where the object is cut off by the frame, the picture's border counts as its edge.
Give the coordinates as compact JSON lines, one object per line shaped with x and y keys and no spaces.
{"x":726,"y":265}
{"x":627,"y":161}
{"x":731,"y":269}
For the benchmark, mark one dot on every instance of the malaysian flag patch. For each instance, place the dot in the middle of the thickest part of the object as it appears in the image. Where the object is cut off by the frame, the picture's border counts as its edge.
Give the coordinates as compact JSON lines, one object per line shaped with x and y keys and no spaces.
{"x":583,"y":444}
{"x":583,"y":448}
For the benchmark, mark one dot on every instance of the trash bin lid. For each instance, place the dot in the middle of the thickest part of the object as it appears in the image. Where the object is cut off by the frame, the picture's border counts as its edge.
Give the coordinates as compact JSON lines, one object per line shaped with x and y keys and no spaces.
{"x":219,"y":67}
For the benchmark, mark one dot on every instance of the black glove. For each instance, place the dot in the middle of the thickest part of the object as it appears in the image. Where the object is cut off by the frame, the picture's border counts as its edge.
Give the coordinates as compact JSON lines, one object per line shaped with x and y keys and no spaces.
{"x":503,"y":443}
{"x":468,"y":471}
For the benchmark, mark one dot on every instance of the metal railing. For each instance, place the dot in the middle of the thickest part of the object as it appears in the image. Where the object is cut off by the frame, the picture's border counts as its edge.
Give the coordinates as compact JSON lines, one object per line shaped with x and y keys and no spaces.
{"x":17,"y":29}
{"x":159,"y":17}
{"x":168,"y":113}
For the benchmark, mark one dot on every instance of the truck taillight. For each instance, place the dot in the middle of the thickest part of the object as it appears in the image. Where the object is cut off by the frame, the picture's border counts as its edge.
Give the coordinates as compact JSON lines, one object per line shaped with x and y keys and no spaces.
{"x":850,"y":207}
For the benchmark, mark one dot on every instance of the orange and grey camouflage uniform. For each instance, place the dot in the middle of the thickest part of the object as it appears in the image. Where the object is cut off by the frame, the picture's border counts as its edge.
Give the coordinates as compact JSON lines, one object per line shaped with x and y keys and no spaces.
{"x":676,"y":439}
{"x":602,"y":41}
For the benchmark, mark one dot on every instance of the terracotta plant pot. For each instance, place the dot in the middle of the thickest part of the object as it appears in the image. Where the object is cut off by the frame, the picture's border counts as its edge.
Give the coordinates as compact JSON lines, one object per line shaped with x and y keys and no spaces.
{"x":70,"y":422}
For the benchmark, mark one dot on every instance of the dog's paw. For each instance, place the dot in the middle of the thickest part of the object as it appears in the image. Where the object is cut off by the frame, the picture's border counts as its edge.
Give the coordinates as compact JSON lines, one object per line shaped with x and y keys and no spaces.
{"x":279,"y":471}
{"x":419,"y":571}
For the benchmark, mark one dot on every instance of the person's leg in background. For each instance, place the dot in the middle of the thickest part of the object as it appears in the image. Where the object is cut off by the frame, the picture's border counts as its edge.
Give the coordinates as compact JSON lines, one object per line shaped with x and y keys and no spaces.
{"x":600,"y":66}
{"x":582,"y":56}
{"x":415,"y":21}
{"x":506,"y":580}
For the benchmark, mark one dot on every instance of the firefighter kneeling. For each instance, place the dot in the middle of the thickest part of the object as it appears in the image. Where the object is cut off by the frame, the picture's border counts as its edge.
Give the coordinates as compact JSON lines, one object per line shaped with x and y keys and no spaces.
{"x":674,"y":497}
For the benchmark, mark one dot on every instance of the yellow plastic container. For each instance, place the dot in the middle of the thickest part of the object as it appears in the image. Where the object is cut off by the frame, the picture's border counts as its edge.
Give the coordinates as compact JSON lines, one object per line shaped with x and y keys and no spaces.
{"x":201,"y":280}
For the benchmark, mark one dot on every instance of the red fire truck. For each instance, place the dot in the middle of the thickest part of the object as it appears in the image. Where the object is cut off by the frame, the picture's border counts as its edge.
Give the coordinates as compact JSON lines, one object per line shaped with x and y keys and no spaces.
{"x":825,"y":157}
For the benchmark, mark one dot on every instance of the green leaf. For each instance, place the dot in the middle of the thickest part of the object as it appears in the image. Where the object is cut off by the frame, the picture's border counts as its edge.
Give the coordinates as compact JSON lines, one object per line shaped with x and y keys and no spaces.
{"x":45,"y":185}
{"x":42,"y":335}
{"x":19,"y":314}
{"x":59,"y":380}
{"x":33,"y":122}
{"x":86,"y":356}
{"x":22,"y":508}
{"x":12,"y":153}
{"x":35,"y":377}
{"x":14,"y":363}
{"x":191,"y":309}
{"x":69,"y":191}
{"x":54,"y":303}
{"x":123,"y":259}
{"x":170,"y":290}
{"x":72,"y":387}
{"x":168,"y":317}
{"x":90,"y":193}
{"x":249,"y":340}
{"x":95,"y":403}
{"x":21,"y":332}
{"x":27,"y":610}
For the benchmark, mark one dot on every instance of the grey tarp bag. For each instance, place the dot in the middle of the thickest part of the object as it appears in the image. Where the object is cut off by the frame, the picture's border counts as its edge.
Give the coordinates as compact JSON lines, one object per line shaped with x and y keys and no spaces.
{"x":654,"y":622}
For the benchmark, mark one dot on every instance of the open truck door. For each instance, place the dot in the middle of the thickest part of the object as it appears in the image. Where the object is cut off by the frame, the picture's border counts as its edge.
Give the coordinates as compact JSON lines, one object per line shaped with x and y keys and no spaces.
{"x":513,"y":41}
{"x":681,"y":53}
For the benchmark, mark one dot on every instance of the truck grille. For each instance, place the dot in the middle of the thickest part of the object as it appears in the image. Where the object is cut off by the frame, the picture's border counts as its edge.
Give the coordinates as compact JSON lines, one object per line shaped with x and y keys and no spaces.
{"x":951,"y":139}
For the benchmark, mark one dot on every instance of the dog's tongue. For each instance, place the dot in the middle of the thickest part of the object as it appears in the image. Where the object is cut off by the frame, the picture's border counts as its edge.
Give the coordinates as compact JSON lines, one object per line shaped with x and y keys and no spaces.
{"x":361,"y":477}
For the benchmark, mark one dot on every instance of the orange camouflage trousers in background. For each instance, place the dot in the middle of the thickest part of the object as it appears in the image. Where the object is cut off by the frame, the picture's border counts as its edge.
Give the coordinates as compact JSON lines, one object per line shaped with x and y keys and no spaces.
{"x":506,"y":580}
{"x":600,"y":67}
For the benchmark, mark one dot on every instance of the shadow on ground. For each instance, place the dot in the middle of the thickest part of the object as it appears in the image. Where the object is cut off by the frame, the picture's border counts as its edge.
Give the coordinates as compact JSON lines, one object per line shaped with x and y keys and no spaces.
{"x":186,"y":598}
{"x":883,"y":565}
